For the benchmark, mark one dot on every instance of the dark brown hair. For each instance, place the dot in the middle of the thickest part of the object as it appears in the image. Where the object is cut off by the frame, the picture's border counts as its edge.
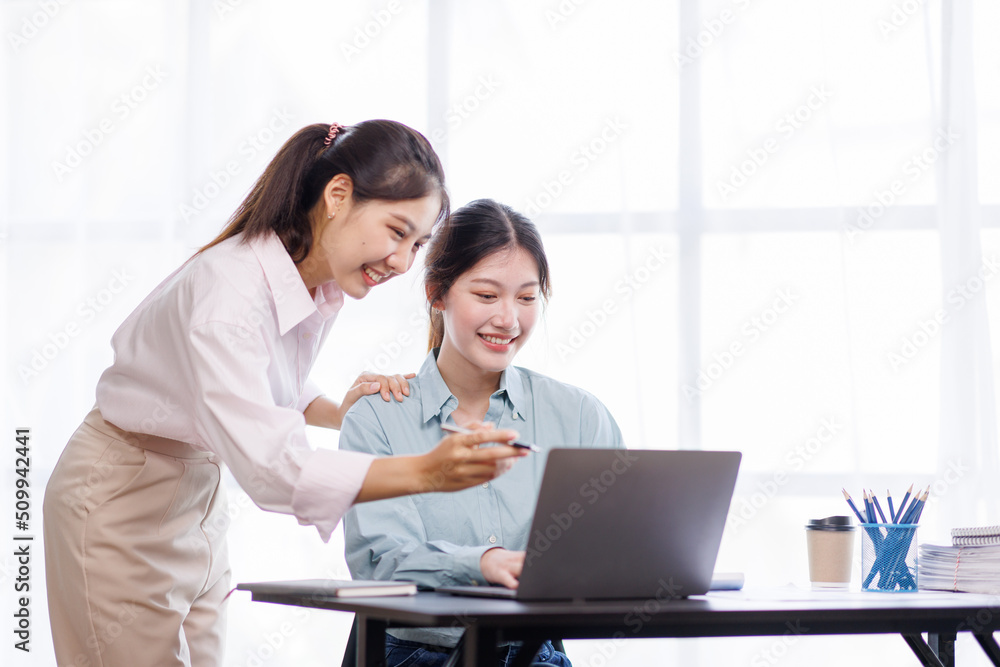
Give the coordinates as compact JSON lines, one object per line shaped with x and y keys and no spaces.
{"x":386,"y":160}
{"x":469,"y":235}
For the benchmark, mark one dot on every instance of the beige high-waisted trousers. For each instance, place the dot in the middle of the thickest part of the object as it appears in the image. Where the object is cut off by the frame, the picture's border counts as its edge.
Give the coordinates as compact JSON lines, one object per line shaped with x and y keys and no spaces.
{"x":135,"y":551}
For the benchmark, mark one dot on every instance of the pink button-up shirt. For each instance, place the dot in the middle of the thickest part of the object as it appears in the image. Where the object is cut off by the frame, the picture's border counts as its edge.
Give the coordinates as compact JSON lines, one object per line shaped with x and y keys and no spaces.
{"x":218,"y":356}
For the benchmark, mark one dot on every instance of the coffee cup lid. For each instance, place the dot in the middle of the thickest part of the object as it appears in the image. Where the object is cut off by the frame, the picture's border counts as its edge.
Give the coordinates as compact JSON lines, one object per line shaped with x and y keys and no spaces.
{"x":831,"y":523}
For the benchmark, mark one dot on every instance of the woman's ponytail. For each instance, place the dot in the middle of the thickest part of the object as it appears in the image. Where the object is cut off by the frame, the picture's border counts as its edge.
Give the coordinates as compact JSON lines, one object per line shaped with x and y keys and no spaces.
{"x":436,"y":335}
{"x":385,"y":160}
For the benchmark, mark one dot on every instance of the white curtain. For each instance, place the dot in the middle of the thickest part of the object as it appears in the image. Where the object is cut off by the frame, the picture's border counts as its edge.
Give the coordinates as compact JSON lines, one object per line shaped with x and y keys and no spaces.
{"x":968,"y":441}
{"x":773,"y":227}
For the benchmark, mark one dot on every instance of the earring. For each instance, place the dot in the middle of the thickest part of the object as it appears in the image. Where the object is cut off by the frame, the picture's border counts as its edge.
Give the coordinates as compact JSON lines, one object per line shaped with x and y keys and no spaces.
{"x":329,"y":216}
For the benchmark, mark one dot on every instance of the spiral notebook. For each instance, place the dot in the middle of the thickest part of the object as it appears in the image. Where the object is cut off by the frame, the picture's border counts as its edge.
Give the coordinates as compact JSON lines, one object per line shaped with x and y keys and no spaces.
{"x":975,"y":536}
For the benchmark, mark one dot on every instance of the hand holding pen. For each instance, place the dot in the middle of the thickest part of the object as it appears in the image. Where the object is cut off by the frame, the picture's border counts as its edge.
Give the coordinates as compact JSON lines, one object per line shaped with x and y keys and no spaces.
{"x":458,"y":462}
{"x":455,"y":428}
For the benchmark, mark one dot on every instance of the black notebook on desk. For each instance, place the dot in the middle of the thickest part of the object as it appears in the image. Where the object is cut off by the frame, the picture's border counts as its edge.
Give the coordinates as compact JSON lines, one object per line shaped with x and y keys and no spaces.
{"x":617,"y":524}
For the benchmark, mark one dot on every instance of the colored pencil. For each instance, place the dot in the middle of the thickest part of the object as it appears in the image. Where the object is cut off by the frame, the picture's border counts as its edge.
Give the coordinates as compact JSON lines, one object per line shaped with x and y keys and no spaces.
{"x":923,"y":503}
{"x":869,"y":510}
{"x":902,"y":506}
{"x":854,"y":509}
{"x":914,"y":508}
{"x":892,"y":547}
{"x":878,"y":507}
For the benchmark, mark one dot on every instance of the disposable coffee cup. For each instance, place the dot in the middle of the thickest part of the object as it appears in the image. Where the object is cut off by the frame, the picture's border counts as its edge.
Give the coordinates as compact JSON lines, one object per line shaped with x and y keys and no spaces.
{"x":830,"y":543}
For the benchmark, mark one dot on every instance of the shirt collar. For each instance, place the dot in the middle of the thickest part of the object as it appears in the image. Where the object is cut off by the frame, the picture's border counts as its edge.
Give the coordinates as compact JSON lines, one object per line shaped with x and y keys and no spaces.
{"x":291,"y":296}
{"x":512,"y":382}
{"x":434,"y":393}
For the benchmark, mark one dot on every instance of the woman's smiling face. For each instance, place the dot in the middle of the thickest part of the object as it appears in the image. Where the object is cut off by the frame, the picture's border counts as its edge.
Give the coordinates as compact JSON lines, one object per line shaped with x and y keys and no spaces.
{"x":491,"y":310}
{"x":367,"y":244}
{"x":363,"y":244}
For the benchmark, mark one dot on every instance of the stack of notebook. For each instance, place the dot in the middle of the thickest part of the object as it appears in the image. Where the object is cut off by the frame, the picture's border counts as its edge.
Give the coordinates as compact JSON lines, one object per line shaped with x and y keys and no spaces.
{"x":971,"y":564}
{"x":975,"y":537}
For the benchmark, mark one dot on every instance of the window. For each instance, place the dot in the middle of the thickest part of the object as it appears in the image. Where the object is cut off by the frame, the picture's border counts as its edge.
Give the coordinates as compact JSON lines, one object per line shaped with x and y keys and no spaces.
{"x":773,"y":227}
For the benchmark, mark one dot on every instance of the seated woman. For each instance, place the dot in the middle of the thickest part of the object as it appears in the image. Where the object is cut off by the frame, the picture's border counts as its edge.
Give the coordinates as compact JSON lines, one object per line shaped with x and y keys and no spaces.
{"x":486,"y":275}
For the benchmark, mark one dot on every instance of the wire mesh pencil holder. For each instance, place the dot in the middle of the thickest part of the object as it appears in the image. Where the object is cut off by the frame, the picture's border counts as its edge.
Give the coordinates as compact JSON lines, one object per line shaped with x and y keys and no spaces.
{"x":889,"y":557}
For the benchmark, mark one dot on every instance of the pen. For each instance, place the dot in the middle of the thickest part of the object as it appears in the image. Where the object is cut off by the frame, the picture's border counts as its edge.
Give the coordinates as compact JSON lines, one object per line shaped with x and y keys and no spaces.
{"x":454,"y":428}
{"x":892,"y":512}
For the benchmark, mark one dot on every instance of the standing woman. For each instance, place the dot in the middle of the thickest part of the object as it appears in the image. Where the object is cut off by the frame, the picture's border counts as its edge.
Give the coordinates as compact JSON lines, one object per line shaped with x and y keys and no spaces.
{"x":212,"y":368}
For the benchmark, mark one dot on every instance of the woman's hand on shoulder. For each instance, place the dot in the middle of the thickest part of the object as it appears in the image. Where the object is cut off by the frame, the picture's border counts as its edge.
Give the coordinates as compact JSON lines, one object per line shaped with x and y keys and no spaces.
{"x":373,"y":383}
{"x":388,"y":385}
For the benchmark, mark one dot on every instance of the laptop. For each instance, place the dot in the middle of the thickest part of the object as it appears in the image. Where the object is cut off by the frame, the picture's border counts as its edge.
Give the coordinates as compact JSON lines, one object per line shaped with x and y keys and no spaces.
{"x":624,"y":524}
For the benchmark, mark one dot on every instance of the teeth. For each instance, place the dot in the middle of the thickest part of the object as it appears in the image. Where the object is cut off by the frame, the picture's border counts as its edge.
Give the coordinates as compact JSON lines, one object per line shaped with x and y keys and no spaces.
{"x":371,"y":274}
{"x":497,"y":341}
